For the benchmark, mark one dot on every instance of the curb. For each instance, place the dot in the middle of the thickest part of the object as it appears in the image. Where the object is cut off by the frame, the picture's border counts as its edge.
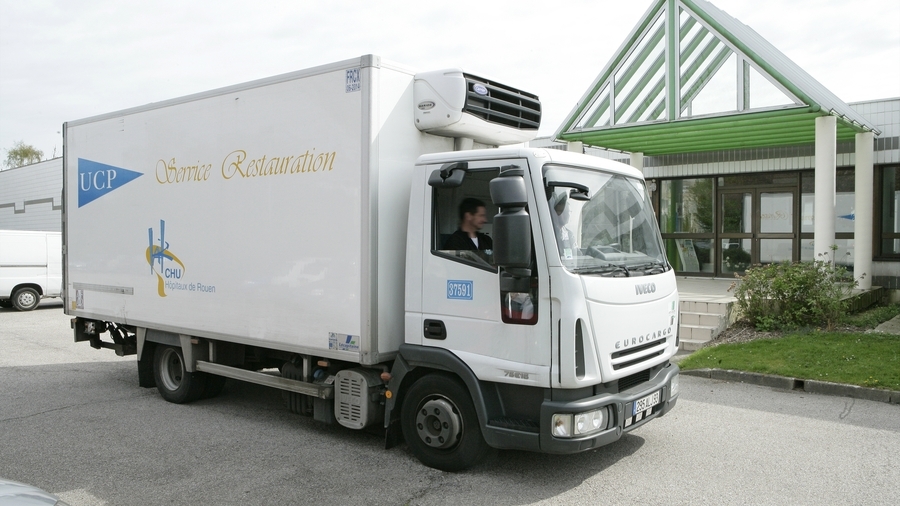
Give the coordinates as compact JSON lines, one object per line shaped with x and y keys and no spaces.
{"x":809,"y":386}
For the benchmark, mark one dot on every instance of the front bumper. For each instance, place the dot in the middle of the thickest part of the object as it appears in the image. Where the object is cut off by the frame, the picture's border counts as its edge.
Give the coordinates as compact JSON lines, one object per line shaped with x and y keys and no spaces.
{"x":620,"y":418}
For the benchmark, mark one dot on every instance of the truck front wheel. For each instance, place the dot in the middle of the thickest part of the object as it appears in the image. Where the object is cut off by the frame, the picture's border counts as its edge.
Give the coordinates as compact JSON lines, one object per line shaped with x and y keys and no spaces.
{"x":174,"y":382}
{"x":26,"y":299}
{"x":440,"y":424}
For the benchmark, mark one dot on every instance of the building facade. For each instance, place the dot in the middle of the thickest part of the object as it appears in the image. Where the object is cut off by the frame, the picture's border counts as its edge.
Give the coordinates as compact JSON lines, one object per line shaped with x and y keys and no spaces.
{"x":31,"y":197}
{"x":750,"y":159}
{"x":721,"y":211}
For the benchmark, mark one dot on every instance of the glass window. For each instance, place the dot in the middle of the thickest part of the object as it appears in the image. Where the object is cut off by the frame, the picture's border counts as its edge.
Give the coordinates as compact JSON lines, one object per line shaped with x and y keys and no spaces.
{"x":691,"y":255}
{"x":776,"y":213}
{"x":890,"y":211}
{"x":760,"y":179}
{"x":773,"y":251}
{"x":603,"y":223}
{"x":735,"y":255}
{"x":737,"y":213}
{"x":843,"y":255}
{"x":462,"y":220}
{"x":844,"y":202}
{"x":686,"y":205}
{"x":461,"y":232}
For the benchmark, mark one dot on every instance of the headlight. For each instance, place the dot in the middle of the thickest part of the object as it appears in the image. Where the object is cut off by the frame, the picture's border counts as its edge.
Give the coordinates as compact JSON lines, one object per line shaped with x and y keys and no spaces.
{"x":562,"y":425}
{"x":673,"y":387}
{"x":580,"y":424}
{"x":592,"y":421}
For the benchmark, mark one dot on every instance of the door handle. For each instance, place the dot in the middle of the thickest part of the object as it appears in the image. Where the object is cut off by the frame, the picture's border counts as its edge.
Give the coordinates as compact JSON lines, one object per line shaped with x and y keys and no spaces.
{"x":434,"y":329}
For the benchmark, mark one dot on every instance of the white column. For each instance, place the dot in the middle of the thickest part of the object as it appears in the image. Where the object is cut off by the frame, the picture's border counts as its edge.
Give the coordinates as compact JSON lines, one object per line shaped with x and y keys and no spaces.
{"x":575,"y":146}
{"x":826,"y":170}
{"x":637,"y":161}
{"x":863,"y":210}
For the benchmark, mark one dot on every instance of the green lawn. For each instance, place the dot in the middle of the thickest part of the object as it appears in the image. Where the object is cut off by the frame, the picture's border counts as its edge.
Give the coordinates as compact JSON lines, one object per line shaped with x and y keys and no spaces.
{"x":868,"y":360}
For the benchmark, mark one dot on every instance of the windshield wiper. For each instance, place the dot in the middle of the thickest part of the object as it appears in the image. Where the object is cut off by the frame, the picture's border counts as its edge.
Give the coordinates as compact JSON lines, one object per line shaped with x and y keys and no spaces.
{"x":611,"y":270}
{"x":655,"y":267}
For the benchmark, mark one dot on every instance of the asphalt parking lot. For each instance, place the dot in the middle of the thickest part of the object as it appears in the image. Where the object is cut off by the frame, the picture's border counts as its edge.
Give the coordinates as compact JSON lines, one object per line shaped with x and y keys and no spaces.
{"x":75,"y":423}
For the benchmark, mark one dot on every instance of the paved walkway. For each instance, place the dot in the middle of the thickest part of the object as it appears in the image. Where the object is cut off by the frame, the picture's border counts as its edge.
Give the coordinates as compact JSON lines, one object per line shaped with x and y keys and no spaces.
{"x":891,"y":326}
{"x":705,"y":289}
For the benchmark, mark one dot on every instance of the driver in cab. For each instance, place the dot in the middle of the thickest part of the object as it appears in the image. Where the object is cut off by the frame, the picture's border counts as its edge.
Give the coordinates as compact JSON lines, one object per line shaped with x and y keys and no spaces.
{"x":472,"y":217}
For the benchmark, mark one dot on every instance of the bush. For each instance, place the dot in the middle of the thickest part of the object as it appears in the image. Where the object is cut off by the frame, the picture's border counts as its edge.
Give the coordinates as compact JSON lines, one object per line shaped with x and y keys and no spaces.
{"x":786,"y":295}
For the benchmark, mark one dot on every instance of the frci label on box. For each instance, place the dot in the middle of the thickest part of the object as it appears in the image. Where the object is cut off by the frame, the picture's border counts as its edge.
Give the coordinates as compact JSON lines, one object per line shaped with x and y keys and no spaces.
{"x":352,"y":82}
{"x":460,"y":290}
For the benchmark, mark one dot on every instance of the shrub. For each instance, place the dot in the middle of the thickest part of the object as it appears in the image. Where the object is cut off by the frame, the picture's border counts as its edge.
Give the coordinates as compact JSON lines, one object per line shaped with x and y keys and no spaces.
{"x":786,"y":295}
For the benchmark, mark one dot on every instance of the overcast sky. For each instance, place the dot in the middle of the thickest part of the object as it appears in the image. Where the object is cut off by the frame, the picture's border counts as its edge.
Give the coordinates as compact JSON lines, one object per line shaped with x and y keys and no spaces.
{"x":64,"y":60}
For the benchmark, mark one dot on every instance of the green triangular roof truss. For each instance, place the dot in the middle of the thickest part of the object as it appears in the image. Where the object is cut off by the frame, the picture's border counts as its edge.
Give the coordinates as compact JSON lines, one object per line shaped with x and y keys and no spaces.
{"x":692,"y":78}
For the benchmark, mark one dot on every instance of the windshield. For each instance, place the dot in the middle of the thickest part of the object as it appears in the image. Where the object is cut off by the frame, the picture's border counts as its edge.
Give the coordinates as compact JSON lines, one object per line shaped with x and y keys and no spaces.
{"x":603,"y":223}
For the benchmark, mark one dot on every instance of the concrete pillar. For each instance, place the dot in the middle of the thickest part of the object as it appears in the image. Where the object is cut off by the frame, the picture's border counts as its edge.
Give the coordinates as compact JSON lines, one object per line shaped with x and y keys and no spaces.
{"x":826,"y":171}
{"x":575,"y":146}
{"x":637,"y":161}
{"x":863,"y":210}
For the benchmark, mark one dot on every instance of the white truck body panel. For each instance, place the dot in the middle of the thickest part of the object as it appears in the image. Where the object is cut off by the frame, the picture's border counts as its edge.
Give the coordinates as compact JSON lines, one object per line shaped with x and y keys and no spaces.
{"x":305,"y":155}
{"x":30,"y":258}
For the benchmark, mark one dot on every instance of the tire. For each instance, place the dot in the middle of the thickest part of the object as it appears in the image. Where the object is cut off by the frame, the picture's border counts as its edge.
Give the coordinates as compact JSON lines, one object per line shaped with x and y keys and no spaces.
{"x":26,"y":299}
{"x":440,"y":424}
{"x":174,"y":383}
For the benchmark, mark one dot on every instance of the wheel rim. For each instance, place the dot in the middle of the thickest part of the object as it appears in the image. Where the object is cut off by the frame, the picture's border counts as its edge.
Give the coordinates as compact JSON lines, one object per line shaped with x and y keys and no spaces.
{"x":171,"y":369}
{"x":26,"y":299}
{"x":438,"y":423}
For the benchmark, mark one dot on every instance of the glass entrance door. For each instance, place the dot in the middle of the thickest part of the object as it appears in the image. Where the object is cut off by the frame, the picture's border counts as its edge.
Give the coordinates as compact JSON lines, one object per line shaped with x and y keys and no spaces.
{"x":757,"y":226}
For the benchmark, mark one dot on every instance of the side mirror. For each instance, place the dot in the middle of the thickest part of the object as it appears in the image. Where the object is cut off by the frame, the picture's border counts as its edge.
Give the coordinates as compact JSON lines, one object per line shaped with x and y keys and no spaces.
{"x":512,"y":226}
{"x":450,"y":175}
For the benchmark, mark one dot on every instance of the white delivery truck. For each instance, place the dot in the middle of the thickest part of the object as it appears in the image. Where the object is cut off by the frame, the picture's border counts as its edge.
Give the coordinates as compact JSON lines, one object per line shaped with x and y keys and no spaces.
{"x":295,"y":232}
{"x":30,"y":267}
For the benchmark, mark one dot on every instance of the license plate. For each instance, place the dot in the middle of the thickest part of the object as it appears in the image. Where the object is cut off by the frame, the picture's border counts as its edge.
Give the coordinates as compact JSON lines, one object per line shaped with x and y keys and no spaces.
{"x":646,"y":403}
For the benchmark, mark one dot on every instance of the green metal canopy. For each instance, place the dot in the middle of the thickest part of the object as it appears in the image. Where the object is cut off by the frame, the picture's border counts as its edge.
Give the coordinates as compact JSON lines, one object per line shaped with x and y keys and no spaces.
{"x":691,"y":78}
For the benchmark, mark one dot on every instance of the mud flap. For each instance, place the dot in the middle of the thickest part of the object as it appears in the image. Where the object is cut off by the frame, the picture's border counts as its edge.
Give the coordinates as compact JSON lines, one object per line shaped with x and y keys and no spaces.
{"x":145,"y":366}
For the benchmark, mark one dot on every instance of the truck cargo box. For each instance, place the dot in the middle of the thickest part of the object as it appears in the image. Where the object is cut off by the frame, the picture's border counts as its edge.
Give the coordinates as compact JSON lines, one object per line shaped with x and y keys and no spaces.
{"x":286,"y":228}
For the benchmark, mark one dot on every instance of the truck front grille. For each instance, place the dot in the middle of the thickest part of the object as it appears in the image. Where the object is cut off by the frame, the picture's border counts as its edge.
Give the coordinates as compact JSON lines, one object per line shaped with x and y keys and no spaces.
{"x":637,"y":354}
{"x":502,"y":104}
{"x":635,"y":379}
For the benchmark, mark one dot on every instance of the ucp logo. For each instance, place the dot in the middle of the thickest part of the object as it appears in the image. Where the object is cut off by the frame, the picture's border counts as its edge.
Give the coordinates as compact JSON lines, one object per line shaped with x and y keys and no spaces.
{"x":167,"y":273}
{"x":97,"y":179}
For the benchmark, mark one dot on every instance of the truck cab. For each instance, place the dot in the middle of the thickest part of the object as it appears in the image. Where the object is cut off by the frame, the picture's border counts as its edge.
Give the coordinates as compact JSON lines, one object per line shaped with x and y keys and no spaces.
{"x":563,"y":331}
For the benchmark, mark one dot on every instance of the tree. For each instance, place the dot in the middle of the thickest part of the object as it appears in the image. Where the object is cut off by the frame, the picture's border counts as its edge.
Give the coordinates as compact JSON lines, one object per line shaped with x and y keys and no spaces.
{"x":22,"y":154}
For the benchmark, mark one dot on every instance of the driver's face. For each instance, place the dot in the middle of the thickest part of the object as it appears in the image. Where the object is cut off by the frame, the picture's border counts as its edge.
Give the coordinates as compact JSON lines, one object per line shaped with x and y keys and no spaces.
{"x":478,"y":219}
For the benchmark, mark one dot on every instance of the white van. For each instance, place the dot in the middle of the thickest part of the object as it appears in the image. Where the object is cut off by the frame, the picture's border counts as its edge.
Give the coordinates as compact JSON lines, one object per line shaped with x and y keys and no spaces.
{"x":30,"y":267}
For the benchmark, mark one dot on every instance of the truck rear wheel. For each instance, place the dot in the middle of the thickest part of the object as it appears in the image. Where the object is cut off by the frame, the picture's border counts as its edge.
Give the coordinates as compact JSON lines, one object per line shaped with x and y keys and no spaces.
{"x":174,"y":382}
{"x":440,"y":424}
{"x":26,"y":299}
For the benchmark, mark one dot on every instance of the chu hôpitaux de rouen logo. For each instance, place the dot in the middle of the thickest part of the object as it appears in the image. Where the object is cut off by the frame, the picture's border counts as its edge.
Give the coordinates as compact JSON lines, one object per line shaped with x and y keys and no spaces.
{"x":167,"y":273}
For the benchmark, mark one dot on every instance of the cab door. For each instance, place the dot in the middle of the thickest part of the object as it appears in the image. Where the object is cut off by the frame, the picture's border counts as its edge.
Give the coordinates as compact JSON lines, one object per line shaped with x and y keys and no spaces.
{"x":503,"y":334}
